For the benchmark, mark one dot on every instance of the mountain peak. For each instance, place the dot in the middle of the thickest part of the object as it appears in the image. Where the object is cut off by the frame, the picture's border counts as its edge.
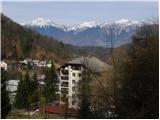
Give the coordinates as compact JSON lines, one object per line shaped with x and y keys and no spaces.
{"x":89,"y":24}
{"x":41,"y":22}
{"x":127,"y":22}
{"x":84,"y":25}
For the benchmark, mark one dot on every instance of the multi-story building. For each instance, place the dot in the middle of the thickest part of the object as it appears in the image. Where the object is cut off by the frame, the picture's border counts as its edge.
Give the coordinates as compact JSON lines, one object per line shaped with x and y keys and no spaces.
{"x":11,"y":87}
{"x":71,"y":73}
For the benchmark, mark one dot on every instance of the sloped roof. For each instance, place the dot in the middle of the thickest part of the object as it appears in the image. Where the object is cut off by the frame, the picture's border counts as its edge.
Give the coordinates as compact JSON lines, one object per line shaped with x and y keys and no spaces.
{"x":92,"y":63}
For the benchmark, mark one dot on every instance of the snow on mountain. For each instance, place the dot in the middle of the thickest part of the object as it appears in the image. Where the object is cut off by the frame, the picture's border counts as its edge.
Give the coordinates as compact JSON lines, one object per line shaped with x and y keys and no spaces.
{"x":127,"y":22}
{"x":80,"y":27}
{"x":83,"y":26}
{"x":89,"y":33}
{"x":41,"y":22}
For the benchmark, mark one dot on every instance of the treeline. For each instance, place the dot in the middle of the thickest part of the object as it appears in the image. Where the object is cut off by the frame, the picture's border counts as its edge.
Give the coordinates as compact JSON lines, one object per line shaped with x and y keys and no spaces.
{"x":133,"y":92}
{"x":19,"y":42}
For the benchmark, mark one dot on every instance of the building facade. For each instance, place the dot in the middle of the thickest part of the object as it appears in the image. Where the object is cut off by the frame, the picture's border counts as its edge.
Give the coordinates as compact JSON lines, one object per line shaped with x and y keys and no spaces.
{"x":71,"y":73}
{"x":69,"y":76}
{"x":11,"y":87}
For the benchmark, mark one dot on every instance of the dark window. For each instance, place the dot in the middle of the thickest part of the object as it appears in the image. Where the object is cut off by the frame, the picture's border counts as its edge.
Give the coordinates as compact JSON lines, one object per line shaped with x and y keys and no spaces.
{"x":73,"y":74}
{"x":73,"y":95}
{"x":76,"y":67}
{"x":64,"y":84}
{"x":73,"y":102}
{"x":79,"y":74}
{"x":64,"y":77}
{"x":73,"y":88}
{"x":73,"y":82}
{"x":65,"y":72}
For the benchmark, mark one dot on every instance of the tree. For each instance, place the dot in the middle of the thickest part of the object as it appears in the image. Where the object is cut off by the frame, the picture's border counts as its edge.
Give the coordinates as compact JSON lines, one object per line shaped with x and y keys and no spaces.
{"x":34,"y":82}
{"x":24,"y":91}
{"x":85,"y":93}
{"x":110,"y":38}
{"x":139,"y":96}
{"x":34,"y":96}
{"x":5,"y":101}
{"x":19,"y":94}
{"x":51,"y":84}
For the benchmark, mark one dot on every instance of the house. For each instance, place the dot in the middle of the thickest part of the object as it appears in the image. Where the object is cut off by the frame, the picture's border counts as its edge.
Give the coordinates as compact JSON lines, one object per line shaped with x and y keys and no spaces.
{"x":11,"y":87}
{"x":36,"y":62}
{"x":26,"y":61}
{"x":3,"y":65}
{"x":42,"y":64}
{"x":71,"y":73}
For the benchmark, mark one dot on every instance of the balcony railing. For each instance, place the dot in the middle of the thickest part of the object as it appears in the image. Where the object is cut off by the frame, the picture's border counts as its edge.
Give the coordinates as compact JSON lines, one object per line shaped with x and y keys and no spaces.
{"x":64,"y":77}
{"x":64,"y":84}
{"x":64,"y":72}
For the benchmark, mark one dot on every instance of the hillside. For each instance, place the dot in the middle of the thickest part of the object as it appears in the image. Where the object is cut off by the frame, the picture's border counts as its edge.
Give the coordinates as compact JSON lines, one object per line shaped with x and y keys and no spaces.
{"x":19,"y":43}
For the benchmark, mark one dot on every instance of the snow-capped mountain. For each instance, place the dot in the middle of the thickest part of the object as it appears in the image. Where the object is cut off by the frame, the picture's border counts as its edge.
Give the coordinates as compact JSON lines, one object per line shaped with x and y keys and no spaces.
{"x":83,"y":26}
{"x":41,"y":22}
{"x":89,"y":33}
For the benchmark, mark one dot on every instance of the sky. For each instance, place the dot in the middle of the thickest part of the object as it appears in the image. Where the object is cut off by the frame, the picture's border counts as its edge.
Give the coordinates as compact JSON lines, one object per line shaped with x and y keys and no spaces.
{"x":69,"y":13}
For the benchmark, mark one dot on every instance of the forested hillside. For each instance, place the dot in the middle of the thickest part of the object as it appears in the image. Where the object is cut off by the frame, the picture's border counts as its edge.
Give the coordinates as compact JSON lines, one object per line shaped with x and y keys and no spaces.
{"x":19,"y":42}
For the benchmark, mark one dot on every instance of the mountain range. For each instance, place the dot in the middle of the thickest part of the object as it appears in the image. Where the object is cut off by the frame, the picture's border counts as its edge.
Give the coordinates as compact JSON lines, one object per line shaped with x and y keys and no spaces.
{"x":89,"y":33}
{"x":18,"y":42}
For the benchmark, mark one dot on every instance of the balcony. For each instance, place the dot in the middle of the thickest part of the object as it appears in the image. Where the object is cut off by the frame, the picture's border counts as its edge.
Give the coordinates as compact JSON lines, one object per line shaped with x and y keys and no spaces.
{"x":76,"y":67}
{"x":64,"y":84}
{"x":64,"y":72}
{"x":64,"y":93}
{"x":64,"y":78}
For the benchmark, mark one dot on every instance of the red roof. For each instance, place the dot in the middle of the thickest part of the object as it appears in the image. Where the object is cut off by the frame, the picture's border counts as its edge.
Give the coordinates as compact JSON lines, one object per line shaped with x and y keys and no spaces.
{"x":51,"y":108}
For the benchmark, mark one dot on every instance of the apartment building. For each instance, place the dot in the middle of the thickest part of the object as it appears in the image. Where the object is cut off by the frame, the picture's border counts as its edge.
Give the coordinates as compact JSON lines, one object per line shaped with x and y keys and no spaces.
{"x":71,"y":73}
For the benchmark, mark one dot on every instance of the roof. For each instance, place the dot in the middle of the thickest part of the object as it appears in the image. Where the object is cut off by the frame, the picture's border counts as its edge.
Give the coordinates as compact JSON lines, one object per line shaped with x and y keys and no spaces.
{"x":12,"y":82}
{"x":52,"y":108}
{"x":12,"y":85}
{"x":90,"y":62}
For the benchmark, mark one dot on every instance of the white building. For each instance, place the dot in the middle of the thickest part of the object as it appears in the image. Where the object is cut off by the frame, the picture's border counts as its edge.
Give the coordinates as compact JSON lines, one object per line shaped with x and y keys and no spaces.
{"x":11,"y":87}
{"x":3,"y":65}
{"x":71,"y":73}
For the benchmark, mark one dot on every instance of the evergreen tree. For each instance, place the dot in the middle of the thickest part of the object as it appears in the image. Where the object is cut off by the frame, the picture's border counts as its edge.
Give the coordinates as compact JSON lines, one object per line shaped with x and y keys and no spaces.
{"x":24,"y":91}
{"x":19,"y":94}
{"x":34,"y":97}
{"x":5,"y":105}
{"x":34,"y":82}
{"x":51,"y":86}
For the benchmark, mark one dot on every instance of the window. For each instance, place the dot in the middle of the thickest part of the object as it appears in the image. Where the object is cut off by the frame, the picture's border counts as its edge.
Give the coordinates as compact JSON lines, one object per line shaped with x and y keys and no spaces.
{"x":79,"y":74}
{"x":73,"y":88}
{"x":64,"y":84}
{"x":64,"y":77}
{"x":73,"y":102}
{"x":73,"y":95}
{"x":65,"y":72}
{"x":73,"y":81}
{"x":73,"y":74}
{"x":76,"y":67}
